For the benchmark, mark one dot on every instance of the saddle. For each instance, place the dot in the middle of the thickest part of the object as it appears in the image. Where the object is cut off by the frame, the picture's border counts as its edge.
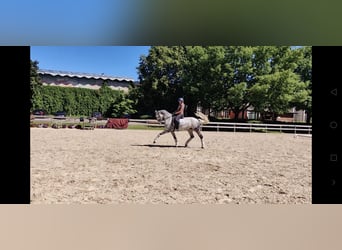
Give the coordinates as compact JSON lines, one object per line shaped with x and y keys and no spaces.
{"x":175,"y":124}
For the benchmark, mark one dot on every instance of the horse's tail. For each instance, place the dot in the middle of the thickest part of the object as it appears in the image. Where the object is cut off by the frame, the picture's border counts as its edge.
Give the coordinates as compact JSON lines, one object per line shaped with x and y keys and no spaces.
{"x":204,"y":118}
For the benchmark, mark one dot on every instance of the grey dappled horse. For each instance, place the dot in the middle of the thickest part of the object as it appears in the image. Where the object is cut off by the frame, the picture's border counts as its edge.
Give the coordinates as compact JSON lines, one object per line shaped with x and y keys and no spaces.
{"x":187,"y":123}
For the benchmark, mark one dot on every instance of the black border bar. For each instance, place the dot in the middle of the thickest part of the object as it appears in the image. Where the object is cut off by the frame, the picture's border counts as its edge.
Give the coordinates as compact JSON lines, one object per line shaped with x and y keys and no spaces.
{"x":326,"y":118}
{"x":15,"y":125}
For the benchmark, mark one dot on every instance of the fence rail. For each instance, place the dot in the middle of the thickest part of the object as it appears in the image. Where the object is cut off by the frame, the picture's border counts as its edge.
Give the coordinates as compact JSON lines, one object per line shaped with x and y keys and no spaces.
{"x":249,"y":127}
{"x":225,"y":126}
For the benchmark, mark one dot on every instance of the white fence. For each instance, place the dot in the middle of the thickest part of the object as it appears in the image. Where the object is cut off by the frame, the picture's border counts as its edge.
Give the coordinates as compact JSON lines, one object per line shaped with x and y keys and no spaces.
{"x":225,"y":126}
{"x":247,"y":127}
{"x":264,"y":127}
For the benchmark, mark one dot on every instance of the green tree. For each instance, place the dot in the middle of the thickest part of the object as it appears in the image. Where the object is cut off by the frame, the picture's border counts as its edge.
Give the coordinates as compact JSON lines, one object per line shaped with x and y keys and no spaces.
{"x":278,"y":84}
{"x":304,"y":69}
{"x":269,"y":78}
{"x":35,"y":87}
{"x":258,"y":97}
{"x":106,"y":97}
{"x":122,"y":106}
{"x":160,"y":75}
{"x":240,"y":77}
{"x":280,"y":91}
{"x":204,"y":77}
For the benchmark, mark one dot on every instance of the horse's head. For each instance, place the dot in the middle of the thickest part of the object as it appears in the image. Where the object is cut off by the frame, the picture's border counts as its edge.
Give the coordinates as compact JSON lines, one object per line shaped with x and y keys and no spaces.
{"x":159,"y":116}
{"x":162,"y":115}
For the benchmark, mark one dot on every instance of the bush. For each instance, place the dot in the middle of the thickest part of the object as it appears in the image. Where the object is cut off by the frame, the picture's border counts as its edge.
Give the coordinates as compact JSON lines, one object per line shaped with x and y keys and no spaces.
{"x":145,"y":117}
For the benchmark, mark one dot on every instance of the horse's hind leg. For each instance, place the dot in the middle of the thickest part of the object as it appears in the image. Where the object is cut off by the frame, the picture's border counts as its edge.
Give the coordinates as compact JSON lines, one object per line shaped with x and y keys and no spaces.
{"x":200,"y":136}
{"x":191,"y":137}
{"x":174,"y":137}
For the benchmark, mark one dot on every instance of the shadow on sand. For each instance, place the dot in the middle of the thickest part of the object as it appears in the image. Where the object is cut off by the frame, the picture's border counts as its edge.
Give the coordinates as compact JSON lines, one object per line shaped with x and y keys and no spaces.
{"x":157,"y":146}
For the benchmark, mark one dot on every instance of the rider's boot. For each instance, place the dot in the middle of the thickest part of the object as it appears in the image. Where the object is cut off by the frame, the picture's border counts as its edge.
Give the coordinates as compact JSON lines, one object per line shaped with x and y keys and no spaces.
{"x":176,"y":125}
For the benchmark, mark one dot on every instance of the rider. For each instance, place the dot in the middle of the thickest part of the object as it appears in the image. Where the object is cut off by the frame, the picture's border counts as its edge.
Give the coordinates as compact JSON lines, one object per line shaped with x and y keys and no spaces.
{"x":179,"y":113}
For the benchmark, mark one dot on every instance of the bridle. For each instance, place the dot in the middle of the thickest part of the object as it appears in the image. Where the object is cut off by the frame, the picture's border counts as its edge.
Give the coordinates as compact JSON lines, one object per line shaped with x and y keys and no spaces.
{"x":163,"y":115}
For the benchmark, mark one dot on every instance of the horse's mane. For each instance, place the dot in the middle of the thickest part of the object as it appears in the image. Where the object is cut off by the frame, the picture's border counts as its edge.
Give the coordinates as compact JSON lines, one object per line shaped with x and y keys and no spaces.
{"x":164,"y":111}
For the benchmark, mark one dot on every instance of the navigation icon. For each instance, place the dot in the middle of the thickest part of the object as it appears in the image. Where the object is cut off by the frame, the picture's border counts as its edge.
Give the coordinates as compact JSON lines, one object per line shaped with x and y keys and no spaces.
{"x":333,"y":124}
{"x":333,"y":157}
{"x":334,"y":92}
{"x":333,"y":182}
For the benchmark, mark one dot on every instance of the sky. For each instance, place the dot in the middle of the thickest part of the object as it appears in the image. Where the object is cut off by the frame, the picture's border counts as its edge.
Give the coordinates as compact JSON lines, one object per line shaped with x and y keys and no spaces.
{"x":64,"y":22}
{"x":117,"y":61}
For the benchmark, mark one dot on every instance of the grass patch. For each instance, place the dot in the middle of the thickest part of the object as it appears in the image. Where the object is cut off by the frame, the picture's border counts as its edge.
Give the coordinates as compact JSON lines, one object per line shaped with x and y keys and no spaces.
{"x":254,"y":121}
{"x":142,"y":126}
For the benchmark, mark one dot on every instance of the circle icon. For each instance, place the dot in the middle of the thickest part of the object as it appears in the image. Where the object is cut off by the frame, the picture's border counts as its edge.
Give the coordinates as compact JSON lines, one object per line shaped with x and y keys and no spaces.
{"x":333,"y":124}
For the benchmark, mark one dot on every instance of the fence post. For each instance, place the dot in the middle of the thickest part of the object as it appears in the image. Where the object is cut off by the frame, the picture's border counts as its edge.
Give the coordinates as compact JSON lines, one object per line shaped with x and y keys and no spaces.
{"x":234,"y":127}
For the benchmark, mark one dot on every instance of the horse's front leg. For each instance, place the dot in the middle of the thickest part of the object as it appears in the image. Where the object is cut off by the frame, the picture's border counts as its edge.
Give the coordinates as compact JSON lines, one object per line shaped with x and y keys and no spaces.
{"x":161,"y":133}
{"x":174,"y":137}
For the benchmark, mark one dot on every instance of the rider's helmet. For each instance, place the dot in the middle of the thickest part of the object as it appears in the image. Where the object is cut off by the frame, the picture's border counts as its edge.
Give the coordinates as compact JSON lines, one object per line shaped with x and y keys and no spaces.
{"x":180,"y":99}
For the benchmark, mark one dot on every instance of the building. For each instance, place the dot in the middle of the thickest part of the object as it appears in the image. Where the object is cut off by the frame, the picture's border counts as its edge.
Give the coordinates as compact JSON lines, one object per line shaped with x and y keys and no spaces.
{"x":292,"y":115}
{"x":82,"y":80}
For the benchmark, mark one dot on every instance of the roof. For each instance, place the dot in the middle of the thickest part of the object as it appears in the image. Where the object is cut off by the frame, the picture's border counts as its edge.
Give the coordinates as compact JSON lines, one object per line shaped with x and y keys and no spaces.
{"x":83,"y":75}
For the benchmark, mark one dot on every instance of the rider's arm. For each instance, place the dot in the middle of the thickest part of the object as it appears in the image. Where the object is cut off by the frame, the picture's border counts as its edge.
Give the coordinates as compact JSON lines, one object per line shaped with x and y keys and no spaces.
{"x":181,"y":109}
{"x":178,"y":111}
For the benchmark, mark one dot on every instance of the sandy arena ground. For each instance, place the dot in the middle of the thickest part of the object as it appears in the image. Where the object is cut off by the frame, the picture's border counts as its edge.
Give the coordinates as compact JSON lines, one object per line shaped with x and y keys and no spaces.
{"x":109,"y":166}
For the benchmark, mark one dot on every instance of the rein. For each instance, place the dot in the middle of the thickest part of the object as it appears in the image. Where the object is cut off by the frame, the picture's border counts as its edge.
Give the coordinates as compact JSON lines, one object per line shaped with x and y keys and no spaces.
{"x":167,"y":117}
